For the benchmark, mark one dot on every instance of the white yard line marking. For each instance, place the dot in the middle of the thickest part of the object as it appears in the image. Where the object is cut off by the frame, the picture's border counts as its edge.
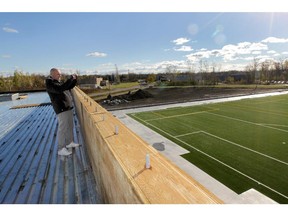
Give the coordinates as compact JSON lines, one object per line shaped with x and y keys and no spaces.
{"x":248,"y":149}
{"x":187,"y":144}
{"x":200,"y":190}
{"x":158,"y":114}
{"x":233,"y":143}
{"x":277,"y":125}
{"x":234,"y":169}
{"x":248,"y":122}
{"x":175,"y":116}
{"x":196,"y":132}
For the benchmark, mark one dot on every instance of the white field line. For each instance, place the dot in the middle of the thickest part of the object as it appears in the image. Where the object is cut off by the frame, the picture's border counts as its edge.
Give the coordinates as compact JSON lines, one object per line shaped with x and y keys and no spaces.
{"x":258,"y":124}
{"x":209,"y":112}
{"x":248,"y":149}
{"x":248,"y":122}
{"x":277,"y":125}
{"x":201,"y":191}
{"x":233,"y":143}
{"x":196,"y":132}
{"x":187,"y":144}
{"x":259,"y":110}
{"x":175,"y":116}
{"x":234,"y":169}
{"x":158,"y":114}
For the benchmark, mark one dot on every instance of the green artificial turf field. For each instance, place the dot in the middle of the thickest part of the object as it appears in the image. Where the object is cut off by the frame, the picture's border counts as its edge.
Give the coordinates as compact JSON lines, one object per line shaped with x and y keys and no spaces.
{"x":243,"y":144}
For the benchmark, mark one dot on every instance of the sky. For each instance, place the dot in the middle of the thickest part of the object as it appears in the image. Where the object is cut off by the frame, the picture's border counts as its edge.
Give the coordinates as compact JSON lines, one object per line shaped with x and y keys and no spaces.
{"x":96,"y":42}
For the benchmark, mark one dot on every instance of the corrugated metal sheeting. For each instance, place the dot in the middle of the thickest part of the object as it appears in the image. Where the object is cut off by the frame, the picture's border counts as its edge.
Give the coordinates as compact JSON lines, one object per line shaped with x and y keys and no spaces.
{"x":30,"y":169}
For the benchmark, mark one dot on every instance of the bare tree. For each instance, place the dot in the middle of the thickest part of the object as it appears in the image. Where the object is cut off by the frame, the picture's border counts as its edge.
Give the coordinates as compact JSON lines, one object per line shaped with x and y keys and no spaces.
{"x":256,"y":74}
{"x":191,"y":71}
{"x":172,"y":71}
{"x":200,"y":81}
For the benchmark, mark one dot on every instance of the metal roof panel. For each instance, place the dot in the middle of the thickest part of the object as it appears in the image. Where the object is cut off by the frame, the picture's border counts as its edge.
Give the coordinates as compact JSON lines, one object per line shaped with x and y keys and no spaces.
{"x":30,"y":169}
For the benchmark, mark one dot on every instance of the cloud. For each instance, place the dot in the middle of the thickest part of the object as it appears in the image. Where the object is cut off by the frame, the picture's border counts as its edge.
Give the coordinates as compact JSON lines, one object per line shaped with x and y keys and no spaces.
{"x":184,"y":48}
{"x":162,"y":66}
{"x":257,"y":52}
{"x":275,"y":40}
{"x":97,"y":54}
{"x":10,"y":30}
{"x":230,"y":56}
{"x":181,"y":41}
{"x":201,"y":54}
{"x":271,"y":52}
{"x":230,"y":52}
{"x":245,"y":47}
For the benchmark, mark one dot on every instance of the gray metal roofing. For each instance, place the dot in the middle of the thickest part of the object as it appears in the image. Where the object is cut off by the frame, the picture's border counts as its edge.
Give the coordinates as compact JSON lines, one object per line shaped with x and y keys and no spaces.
{"x":30,"y":169}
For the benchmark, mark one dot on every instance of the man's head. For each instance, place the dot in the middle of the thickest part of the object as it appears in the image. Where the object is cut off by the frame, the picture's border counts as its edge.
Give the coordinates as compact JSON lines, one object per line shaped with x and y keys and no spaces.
{"x":55,"y":74}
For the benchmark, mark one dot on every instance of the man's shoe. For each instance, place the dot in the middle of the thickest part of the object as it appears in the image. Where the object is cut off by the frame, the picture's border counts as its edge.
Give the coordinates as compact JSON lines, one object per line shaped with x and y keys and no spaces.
{"x":64,"y":152}
{"x":72,"y":145}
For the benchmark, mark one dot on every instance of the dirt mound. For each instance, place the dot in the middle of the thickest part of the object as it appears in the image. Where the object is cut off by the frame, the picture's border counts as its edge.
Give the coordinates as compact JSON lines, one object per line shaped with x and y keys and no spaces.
{"x":139,"y":94}
{"x":160,"y":96}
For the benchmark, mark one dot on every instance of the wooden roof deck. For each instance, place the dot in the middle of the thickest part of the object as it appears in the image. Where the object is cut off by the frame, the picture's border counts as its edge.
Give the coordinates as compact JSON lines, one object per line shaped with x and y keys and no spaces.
{"x":30,"y":169}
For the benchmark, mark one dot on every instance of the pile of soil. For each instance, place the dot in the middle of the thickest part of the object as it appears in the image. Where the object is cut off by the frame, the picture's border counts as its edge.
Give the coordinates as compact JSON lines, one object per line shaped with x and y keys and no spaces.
{"x":159,"y":96}
{"x":126,"y":98}
{"x":140,"y":94}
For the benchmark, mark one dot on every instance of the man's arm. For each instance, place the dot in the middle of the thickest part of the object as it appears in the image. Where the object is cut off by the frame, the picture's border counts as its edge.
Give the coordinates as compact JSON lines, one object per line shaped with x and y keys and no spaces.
{"x":74,"y":81}
{"x":58,"y":88}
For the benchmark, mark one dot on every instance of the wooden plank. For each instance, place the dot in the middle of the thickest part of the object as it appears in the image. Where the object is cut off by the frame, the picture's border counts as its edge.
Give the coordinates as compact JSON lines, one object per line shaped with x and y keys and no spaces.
{"x":125,"y":160}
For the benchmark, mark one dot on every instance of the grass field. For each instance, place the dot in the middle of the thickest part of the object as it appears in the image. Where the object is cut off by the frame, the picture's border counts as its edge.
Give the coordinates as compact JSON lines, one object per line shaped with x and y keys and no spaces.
{"x":243,"y":144}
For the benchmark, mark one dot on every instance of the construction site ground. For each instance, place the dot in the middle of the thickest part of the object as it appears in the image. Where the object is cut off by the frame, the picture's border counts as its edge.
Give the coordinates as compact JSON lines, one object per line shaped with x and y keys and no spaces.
{"x":154,"y":96}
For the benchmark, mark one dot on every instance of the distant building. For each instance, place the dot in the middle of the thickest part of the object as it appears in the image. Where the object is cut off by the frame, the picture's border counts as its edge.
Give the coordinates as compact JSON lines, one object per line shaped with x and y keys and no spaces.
{"x":97,"y":82}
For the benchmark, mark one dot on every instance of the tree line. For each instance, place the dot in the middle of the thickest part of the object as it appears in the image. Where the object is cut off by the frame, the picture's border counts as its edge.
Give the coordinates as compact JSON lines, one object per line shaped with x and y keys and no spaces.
{"x":265,"y":72}
{"x":22,"y":82}
{"x":257,"y":72}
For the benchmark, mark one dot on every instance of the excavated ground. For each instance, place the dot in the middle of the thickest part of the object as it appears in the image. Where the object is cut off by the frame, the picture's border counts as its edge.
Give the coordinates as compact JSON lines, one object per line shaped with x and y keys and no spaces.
{"x":159,"y":96}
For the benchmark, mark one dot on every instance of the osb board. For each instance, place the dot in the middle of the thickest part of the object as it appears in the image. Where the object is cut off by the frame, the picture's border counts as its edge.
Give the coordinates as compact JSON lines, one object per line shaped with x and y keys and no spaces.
{"x":164,"y":182}
{"x":114,"y":183}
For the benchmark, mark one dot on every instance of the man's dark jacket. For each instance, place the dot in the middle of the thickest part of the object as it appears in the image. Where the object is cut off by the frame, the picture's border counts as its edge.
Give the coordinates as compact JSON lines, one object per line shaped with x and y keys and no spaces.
{"x":59,"y":93}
